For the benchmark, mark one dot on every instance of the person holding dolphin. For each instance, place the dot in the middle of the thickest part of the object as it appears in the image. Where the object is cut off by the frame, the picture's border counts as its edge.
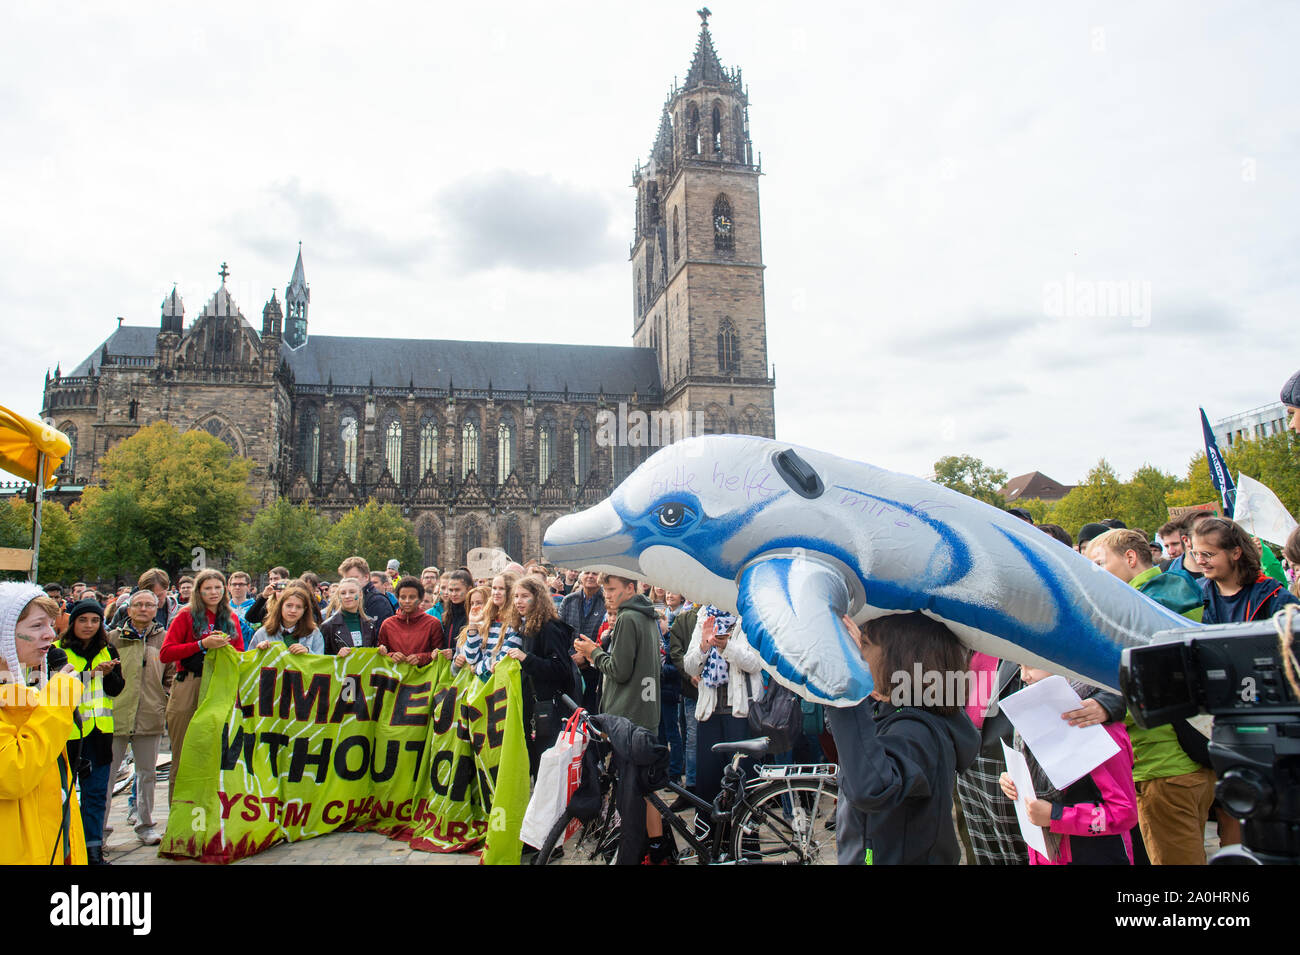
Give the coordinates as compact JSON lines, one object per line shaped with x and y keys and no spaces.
{"x":898,"y":764}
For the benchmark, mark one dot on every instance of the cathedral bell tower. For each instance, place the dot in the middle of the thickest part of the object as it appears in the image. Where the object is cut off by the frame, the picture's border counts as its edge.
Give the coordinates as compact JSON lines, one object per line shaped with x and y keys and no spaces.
{"x":697,"y":258}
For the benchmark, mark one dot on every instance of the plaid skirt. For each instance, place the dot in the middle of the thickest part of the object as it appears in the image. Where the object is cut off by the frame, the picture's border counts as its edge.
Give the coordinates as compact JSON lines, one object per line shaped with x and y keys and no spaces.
{"x":990,"y":815}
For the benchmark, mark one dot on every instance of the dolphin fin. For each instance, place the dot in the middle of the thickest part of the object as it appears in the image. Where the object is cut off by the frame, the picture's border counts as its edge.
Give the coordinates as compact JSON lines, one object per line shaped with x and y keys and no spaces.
{"x":790,"y":608}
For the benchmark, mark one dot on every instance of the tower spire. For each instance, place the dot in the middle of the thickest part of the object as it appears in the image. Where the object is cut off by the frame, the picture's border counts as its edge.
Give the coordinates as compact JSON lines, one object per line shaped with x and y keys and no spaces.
{"x":297,"y":296}
{"x":706,"y":68}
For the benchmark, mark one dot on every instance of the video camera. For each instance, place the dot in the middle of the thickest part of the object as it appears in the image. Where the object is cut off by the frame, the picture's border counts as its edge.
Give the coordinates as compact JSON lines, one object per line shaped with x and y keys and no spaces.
{"x":1238,"y":674}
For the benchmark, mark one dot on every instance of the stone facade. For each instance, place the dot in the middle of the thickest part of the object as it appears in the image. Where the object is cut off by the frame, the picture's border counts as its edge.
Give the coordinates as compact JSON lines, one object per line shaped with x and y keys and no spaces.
{"x":479,"y":443}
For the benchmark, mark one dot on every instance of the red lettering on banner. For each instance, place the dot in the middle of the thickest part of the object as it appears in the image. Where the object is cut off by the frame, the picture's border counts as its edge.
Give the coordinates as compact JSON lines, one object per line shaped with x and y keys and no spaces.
{"x":403,"y":811}
{"x":252,"y":810}
{"x":457,"y":831}
{"x":226,"y":803}
{"x":357,"y":808}
{"x":295,"y":814}
{"x":325,"y":813}
{"x":272,"y":804}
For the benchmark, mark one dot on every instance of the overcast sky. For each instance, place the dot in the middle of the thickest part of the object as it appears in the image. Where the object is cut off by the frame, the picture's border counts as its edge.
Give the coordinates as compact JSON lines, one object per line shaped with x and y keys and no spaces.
{"x":945,"y":186}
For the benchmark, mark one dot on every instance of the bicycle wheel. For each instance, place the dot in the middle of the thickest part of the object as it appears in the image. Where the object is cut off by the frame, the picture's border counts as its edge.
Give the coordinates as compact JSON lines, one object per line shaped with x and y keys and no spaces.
{"x":594,"y":843}
{"x":787,"y":822}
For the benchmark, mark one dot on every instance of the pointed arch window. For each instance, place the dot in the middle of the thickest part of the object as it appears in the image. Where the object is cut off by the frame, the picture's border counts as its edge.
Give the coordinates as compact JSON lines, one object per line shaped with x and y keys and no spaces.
{"x":348,"y":443}
{"x":717,"y":130}
{"x":428,"y":535}
{"x":693,"y":130}
{"x":393,"y":445}
{"x":546,"y":459}
{"x":68,"y":468}
{"x":738,"y":133}
{"x":469,"y":447}
{"x":724,"y":226}
{"x":514,"y":539}
{"x":677,"y":249}
{"x":505,"y":447}
{"x":309,"y":446}
{"x":581,"y":450}
{"x":428,"y":446}
{"x":728,"y":348}
{"x":471,"y":536}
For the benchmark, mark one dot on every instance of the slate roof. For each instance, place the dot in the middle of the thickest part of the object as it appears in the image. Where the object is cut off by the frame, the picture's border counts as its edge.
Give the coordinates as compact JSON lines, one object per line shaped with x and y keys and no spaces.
{"x":433,"y":363}
{"x":508,"y":366}
{"x":1035,"y":484}
{"x":135,"y":340}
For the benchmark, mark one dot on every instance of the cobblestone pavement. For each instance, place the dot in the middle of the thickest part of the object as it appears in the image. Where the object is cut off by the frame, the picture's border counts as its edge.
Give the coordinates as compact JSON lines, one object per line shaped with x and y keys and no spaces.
{"x":350,"y":848}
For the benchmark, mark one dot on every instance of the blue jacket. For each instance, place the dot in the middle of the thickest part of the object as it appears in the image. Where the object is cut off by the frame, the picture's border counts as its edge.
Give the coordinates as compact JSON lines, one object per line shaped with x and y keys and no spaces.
{"x":1259,"y":601}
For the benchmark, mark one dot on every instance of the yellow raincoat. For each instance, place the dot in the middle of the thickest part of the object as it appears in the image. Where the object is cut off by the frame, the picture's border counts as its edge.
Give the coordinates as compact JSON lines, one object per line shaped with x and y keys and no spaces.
{"x":34,"y":728}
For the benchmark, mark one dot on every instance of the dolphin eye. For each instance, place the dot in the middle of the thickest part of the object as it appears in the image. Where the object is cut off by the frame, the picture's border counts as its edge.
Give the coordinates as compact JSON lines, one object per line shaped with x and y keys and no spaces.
{"x":673,"y":514}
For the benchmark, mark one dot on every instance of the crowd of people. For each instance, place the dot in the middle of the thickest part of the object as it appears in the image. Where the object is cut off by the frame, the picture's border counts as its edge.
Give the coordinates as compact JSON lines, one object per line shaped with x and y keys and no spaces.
{"x":83,"y":678}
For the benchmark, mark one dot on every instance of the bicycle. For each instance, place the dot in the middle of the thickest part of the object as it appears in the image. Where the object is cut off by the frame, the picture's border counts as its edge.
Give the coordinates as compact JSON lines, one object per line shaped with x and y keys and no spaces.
{"x":784,"y":816}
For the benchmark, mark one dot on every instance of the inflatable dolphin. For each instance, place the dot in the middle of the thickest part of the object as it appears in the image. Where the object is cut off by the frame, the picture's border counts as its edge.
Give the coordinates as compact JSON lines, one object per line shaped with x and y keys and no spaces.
{"x":793,"y":538}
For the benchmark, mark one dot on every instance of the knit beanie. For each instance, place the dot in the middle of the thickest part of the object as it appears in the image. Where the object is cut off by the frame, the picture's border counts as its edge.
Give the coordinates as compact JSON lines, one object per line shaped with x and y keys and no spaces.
{"x":1088,"y":531}
{"x":13,"y":598}
{"x":1291,"y":391}
{"x":83,"y":607}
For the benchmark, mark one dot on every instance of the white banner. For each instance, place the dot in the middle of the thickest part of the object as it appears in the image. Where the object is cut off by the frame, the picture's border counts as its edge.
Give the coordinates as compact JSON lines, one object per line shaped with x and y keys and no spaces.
{"x":1260,"y":512}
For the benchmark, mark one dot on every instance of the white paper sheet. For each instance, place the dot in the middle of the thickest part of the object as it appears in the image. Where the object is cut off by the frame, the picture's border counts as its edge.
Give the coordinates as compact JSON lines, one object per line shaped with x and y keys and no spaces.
{"x":1065,"y":752}
{"x":1018,"y":770}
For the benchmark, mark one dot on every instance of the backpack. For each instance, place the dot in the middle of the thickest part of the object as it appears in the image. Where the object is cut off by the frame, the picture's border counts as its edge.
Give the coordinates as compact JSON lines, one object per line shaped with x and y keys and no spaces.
{"x":778,"y":716}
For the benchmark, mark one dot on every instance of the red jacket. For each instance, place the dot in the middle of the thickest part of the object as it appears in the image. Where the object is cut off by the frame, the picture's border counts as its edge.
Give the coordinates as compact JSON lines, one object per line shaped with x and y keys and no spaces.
{"x":417,"y":636}
{"x":181,"y":642}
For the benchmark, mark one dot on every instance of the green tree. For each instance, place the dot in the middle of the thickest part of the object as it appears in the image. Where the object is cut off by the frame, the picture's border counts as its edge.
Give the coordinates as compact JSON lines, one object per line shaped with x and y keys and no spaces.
{"x":283,"y":534}
{"x":1099,"y":495}
{"x":170,"y":500}
{"x":1197,"y":488}
{"x":1143,"y":498}
{"x":972,"y":477}
{"x":1274,"y":461}
{"x":59,"y":557}
{"x":377,"y":532}
{"x":1038,"y":509}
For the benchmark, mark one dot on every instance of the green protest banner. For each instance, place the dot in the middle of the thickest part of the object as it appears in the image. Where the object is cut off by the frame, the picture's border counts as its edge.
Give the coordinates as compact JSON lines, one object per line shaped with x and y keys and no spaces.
{"x":289,"y":747}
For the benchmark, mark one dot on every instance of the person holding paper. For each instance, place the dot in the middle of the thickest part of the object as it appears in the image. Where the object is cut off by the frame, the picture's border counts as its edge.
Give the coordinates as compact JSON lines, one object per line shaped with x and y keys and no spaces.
{"x":1095,"y":814}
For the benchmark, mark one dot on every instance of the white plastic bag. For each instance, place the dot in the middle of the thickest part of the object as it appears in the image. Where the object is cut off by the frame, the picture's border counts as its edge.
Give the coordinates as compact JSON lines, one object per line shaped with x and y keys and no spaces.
{"x":558,"y":773}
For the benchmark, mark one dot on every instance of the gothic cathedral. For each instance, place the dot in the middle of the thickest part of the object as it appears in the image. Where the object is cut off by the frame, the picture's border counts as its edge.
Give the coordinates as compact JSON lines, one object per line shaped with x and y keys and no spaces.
{"x":478,"y":443}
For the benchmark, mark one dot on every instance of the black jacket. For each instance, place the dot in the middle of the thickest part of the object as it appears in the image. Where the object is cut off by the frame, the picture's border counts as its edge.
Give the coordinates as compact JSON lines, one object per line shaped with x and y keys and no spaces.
{"x":337,"y":636}
{"x":377,"y":605}
{"x":897,"y":769}
{"x":548,"y":668}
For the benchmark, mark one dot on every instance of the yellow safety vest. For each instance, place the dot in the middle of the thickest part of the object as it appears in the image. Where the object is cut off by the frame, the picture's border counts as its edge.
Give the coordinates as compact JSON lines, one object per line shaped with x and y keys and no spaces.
{"x":96,"y":706}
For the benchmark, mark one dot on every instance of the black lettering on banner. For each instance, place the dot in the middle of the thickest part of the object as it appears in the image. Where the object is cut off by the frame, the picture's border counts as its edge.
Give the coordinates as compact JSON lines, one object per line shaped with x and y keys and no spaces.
{"x":444,"y":709}
{"x":442,"y":756}
{"x":245,"y":709}
{"x":273,"y":743}
{"x":383,"y":684}
{"x":463,"y":774}
{"x":232,"y":750}
{"x":317,"y":692}
{"x":496,"y":717}
{"x":416,"y":746}
{"x":355,"y":706}
{"x":341,"y":757}
{"x":406,"y":698}
{"x":467,"y":716}
{"x":302,"y":757}
{"x":392,"y":751}
{"x":266,"y":691}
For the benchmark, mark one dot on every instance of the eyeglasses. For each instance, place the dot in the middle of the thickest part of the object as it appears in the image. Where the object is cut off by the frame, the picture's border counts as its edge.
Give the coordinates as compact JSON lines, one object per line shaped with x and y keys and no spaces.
{"x":1205,"y":555}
